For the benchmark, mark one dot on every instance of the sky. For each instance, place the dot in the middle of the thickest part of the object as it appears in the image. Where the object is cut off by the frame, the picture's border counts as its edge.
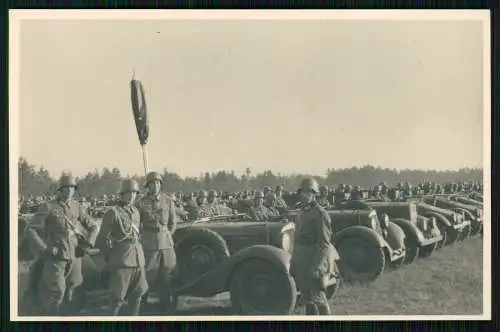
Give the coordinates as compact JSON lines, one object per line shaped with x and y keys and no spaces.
{"x":289,"y":96}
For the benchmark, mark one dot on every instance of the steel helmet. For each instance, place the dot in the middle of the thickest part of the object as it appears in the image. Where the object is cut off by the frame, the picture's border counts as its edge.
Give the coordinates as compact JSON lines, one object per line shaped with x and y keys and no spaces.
{"x":212,"y":193}
{"x":202,"y":193}
{"x":67,"y":180}
{"x":153,"y":176}
{"x":129,"y":185}
{"x":259,"y":194}
{"x":323,"y":188}
{"x":309,"y":184}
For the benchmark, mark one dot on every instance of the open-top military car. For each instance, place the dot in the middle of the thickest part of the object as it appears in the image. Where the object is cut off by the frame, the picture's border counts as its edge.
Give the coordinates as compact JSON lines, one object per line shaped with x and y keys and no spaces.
{"x":472,"y":213}
{"x":365,"y":243}
{"x":250,"y":259}
{"x":423,"y":236}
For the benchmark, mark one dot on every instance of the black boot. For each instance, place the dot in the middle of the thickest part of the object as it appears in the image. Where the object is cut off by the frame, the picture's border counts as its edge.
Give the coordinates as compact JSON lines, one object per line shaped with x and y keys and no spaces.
{"x":114,"y":308}
{"x":134,"y":306}
{"x":323,"y":309}
{"x":311,"y":310}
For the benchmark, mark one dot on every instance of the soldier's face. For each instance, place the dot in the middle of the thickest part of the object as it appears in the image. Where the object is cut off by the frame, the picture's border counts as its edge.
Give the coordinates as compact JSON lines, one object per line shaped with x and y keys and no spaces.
{"x":129,"y":197}
{"x":306,"y":196}
{"x":67,"y":192}
{"x":154,"y":187}
{"x":211,"y":199}
{"x":259,"y":201}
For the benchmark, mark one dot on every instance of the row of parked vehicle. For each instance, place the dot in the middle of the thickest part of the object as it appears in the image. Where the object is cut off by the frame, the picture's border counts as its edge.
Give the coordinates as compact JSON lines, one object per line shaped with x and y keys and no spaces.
{"x":251,"y":259}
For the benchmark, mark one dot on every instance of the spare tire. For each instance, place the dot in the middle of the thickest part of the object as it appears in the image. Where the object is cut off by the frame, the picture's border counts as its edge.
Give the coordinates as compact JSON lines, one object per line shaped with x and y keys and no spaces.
{"x":199,"y":250}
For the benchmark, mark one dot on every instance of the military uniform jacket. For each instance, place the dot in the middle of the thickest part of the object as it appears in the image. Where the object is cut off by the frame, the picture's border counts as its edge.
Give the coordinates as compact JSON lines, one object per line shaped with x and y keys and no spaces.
{"x":280,"y":203}
{"x":214,"y":209}
{"x":119,"y":237}
{"x":324,"y":202}
{"x":63,"y":222}
{"x":158,"y":221}
{"x":260,"y":213}
{"x":313,"y":252}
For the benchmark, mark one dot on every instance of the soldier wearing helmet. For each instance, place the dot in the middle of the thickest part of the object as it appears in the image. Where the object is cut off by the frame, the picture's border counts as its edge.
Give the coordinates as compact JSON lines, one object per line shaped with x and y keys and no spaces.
{"x":312,"y":256}
{"x":279,"y":203}
{"x":213,"y":204}
{"x":159,"y":221}
{"x":202,"y":209}
{"x":119,"y":241}
{"x":259,"y":211}
{"x":61,"y":263}
{"x":356,"y":194}
{"x":323,"y":197}
{"x":339,"y":194}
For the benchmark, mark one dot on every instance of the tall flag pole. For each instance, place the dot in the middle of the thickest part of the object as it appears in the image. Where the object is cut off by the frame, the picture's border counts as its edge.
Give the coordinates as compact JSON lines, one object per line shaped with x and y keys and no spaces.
{"x":139,"y":108}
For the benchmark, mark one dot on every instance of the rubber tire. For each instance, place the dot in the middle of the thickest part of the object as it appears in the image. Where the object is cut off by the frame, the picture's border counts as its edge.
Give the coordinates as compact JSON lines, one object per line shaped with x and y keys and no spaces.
{"x":195,"y":237}
{"x":465,"y":234}
{"x":451,"y":236}
{"x":283,"y":282}
{"x":412,"y":252}
{"x":353,"y":277}
{"x":444,"y":234}
{"x":428,"y":250}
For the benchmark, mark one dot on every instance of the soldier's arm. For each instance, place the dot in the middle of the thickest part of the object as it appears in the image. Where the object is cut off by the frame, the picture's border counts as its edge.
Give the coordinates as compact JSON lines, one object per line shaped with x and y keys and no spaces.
{"x":323,"y":238}
{"x":172,"y":218}
{"x":108,"y":220}
{"x":86,"y":220}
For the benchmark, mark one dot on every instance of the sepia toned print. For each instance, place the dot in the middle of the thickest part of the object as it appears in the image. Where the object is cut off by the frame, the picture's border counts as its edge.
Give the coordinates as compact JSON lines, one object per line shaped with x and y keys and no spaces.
{"x":242,"y":165}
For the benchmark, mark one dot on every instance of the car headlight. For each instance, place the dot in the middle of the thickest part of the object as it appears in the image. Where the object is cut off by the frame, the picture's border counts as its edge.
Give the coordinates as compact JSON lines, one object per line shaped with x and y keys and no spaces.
{"x":286,"y":242}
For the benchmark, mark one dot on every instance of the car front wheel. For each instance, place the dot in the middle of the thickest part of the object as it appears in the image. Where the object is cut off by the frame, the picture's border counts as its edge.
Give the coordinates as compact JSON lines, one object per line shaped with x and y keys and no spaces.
{"x":260,"y":288}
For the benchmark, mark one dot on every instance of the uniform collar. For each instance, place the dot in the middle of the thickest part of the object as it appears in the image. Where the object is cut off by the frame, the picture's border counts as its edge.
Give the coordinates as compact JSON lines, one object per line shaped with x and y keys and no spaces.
{"x":155,"y":197}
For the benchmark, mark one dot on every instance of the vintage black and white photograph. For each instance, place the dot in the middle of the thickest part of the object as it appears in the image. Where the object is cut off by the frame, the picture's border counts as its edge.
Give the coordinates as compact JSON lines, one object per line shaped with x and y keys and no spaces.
{"x":250,"y":163}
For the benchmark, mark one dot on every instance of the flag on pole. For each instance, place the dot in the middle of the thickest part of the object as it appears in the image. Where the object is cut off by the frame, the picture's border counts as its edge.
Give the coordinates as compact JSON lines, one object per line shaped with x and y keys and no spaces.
{"x":139,"y":108}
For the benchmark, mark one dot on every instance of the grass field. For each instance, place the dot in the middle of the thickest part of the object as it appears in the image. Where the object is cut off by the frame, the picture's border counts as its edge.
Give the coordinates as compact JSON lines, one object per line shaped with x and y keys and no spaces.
{"x":447,"y":283}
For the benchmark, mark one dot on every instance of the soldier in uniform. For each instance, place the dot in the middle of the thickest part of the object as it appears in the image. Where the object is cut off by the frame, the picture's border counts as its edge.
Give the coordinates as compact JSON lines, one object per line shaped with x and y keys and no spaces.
{"x":280,"y":203}
{"x":212,"y":204}
{"x":158,"y":220}
{"x":61,"y":263}
{"x":119,"y":242}
{"x":259,"y":211}
{"x":323,"y":197}
{"x":202,"y":209}
{"x":312,"y":256}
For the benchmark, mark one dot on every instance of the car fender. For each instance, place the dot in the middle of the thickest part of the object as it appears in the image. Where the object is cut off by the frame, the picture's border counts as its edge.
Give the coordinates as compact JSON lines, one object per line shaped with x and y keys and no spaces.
{"x":441,"y":219}
{"x":360,"y":231}
{"x":411,"y":231}
{"x":466,"y":212}
{"x":395,"y":236}
{"x":217,"y":280}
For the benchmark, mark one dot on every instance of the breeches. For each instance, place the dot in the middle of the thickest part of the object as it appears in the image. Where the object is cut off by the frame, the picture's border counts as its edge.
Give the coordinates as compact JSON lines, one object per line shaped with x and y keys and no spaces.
{"x":127,"y":282}
{"x":58,"y":276}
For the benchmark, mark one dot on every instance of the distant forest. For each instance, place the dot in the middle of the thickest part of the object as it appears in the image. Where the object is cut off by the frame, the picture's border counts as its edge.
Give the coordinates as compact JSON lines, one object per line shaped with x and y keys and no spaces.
{"x":36,"y":180}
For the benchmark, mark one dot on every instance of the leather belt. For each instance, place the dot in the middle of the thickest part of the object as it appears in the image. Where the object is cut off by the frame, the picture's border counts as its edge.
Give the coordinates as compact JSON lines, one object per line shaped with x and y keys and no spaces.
{"x":156,"y":229}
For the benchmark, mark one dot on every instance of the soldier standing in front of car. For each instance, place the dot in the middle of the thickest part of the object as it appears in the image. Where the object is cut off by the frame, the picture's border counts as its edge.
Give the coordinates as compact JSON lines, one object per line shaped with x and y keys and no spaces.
{"x":313,"y":253}
{"x":119,"y":242}
{"x":158,"y":220}
{"x":61,"y":270}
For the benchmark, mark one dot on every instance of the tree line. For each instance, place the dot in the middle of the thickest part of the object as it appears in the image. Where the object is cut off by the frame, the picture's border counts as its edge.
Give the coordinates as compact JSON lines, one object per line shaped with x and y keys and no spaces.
{"x":36,"y":180}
